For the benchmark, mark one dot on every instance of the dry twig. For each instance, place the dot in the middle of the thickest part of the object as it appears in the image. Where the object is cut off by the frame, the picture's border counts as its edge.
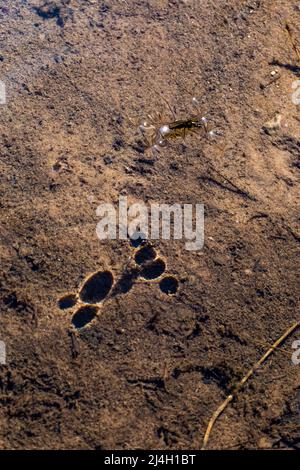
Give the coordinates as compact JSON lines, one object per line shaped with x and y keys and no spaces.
{"x":239,"y":386}
{"x":292,"y":40}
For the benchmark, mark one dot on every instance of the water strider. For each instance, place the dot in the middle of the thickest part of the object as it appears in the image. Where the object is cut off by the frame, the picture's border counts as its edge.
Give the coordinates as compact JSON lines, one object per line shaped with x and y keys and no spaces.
{"x":157,"y":132}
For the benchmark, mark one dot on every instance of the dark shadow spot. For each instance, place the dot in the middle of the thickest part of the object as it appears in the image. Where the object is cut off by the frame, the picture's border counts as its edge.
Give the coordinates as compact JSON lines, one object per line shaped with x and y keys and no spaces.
{"x":145,"y":161}
{"x":260,"y":293}
{"x":84,"y":315}
{"x":48,"y":11}
{"x":56,"y":167}
{"x":19,"y":304}
{"x":97,"y":287}
{"x":118,"y":144}
{"x":12,"y":301}
{"x":153,"y":269}
{"x":51,"y":9}
{"x":144,"y":254}
{"x":137,"y":239}
{"x":222,"y":375}
{"x":67,"y":301}
{"x":139,"y":147}
{"x":292,"y":68}
{"x":169,"y":285}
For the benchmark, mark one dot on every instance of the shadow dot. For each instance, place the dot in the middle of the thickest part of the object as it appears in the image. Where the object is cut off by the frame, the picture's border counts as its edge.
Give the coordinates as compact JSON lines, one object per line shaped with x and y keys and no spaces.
{"x":169,"y":285}
{"x":67,"y":301}
{"x":84,"y":315}
{"x":137,"y":239}
{"x":144,"y":254}
{"x":96,"y":287}
{"x":153,"y":269}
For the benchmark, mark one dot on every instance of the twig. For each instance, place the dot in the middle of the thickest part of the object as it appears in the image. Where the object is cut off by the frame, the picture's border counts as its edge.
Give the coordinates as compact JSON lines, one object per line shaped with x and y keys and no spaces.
{"x":230,"y":397}
{"x":263,"y":86}
{"x":292,"y":40}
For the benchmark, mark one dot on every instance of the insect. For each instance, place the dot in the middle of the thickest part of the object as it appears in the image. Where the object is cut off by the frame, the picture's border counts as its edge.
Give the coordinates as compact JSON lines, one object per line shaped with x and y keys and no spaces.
{"x":157,"y":132}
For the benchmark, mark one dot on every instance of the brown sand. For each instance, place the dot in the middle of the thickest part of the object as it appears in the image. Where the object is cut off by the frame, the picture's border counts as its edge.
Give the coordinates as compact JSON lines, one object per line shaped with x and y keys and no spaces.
{"x":151,"y":368}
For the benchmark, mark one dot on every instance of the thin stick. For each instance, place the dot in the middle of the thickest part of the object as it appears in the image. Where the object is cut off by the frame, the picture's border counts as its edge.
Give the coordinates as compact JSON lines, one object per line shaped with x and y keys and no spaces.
{"x":230,"y":397}
{"x":292,"y":40}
